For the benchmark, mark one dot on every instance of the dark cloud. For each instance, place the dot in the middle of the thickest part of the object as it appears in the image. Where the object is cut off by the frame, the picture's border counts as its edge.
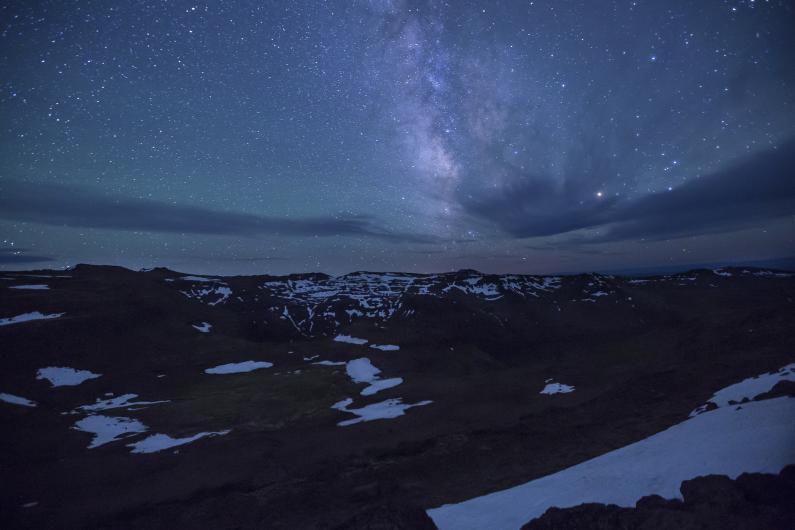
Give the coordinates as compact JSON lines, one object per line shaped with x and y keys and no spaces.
{"x":756,"y":189}
{"x":487,"y":256}
{"x":532,"y":206}
{"x":66,"y":206}
{"x":225,"y":258}
{"x":248,"y":258}
{"x":574,"y":247}
{"x":424,"y":252}
{"x":9,"y":255}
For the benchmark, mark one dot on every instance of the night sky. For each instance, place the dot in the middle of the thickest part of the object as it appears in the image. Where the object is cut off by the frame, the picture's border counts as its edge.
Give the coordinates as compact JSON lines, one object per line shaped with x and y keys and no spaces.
{"x":273,"y":137}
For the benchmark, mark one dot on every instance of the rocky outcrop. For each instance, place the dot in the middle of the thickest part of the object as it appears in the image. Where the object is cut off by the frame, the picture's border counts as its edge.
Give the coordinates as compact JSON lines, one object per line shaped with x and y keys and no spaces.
{"x":754,"y":501}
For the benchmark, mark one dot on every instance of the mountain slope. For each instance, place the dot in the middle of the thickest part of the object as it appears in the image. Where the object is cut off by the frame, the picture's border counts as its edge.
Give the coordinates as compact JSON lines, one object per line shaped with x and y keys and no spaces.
{"x":311,"y":402}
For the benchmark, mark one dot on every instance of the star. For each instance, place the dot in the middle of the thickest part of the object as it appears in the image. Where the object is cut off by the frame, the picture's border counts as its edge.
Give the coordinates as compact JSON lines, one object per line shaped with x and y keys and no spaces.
{"x":371,"y":129}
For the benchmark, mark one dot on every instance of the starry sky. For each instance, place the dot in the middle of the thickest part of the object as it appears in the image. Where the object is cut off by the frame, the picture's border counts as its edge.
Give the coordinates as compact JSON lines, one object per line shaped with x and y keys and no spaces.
{"x":545,"y":136}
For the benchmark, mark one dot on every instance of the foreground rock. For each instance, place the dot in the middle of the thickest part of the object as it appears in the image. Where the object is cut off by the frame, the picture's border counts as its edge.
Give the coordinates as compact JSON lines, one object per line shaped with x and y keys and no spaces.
{"x":754,"y":501}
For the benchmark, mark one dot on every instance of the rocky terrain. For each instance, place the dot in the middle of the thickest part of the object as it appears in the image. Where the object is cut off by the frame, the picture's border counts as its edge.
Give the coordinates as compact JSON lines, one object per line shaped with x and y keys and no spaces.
{"x":159,"y":399}
{"x":752,"y":501}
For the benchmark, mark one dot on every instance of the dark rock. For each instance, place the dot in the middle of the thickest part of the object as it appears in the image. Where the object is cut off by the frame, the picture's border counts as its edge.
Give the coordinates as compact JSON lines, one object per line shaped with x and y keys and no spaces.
{"x":389,"y":518}
{"x":365,"y":491}
{"x":589,"y":516}
{"x":717,"y":490}
{"x":652,"y":502}
{"x":754,"y":501}
{"x":782,"y":388}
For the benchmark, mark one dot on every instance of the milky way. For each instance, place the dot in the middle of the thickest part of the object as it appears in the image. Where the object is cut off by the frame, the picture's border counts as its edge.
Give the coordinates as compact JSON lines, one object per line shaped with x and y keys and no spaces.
{"x":273,"y":137}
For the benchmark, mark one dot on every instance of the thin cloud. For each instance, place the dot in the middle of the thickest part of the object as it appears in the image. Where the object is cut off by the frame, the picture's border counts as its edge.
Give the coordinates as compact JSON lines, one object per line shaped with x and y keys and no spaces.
{"x":60,"y":205}
{"x":10,"y":255}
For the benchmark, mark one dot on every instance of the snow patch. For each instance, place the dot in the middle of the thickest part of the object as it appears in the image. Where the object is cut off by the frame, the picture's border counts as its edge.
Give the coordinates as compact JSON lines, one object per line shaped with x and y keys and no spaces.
{"x":32,"y":287}
{"x":363,"y":371}
{"x":756,"y":437}
{"x":391,"y":408}
{"x":350,"y":340}
{"x":220,"y":294}
{"x":236,"y":368}
{"x":159,"y":442}
{"x":65,"y":376}
{"x":557,"y":388}
{"x":204,"y":327}
{"x":488,"y":291}
{"x":199,"y":279}
{"x":16,"y":400}
{"x":27,"y":317}
{"x":748,"y":388}
{"x":381,"y":384}
{"x":771,"y":274}
{"x":385,"y":347}
{"x":108,"y":429}
{"x":381,"y":295}
{"x":118,"y":402}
